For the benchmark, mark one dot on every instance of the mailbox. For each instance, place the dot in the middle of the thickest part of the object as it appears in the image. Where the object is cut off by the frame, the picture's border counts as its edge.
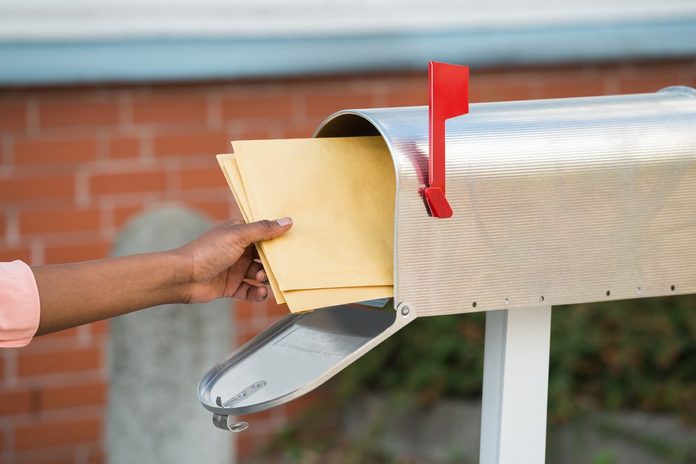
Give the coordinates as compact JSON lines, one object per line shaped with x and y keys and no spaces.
{"x":553,"y":202}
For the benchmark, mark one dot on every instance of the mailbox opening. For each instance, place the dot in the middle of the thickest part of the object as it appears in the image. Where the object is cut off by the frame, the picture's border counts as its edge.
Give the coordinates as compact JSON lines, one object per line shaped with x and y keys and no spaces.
{"x":347,"y":125}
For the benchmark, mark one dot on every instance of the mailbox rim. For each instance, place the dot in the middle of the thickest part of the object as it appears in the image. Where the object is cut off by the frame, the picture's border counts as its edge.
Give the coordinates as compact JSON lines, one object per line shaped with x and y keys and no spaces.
{"x":360,"y":115}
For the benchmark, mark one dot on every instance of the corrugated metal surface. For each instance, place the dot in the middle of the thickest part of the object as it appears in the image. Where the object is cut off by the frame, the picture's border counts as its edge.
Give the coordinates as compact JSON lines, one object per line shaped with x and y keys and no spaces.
{"x":561,"y":201}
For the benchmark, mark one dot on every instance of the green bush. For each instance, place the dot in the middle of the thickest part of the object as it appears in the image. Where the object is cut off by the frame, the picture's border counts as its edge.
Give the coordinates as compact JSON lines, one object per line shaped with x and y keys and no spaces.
{"x":638,"y":354}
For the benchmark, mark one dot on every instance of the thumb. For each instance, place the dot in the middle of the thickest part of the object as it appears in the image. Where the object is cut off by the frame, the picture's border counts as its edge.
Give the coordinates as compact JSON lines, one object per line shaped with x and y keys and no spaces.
{"x":263,"y":230}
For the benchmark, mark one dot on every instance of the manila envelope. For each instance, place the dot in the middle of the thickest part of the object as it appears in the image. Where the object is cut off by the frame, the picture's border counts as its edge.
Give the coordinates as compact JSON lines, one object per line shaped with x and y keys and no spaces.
{"x":340,"y":194}
{"x":297,"y":300}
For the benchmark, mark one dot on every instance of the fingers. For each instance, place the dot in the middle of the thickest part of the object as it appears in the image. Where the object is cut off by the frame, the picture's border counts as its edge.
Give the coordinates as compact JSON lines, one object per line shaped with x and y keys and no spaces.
{"x":257,"y":294}
{"x":254,"y":284}
{"x":253,"y":271}
{"x":256,"y":275}
{"x":250,"y":292}
{"x":262,"y":230}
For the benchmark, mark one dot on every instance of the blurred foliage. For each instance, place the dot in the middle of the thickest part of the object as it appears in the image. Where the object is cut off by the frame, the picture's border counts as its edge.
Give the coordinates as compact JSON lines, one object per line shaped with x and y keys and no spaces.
{"x":316,"y":436}
{"x":633,"y":354}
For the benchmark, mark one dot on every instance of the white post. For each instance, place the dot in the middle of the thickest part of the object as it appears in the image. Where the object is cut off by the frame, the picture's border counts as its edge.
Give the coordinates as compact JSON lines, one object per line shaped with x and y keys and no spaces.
{"x":515,"y":386}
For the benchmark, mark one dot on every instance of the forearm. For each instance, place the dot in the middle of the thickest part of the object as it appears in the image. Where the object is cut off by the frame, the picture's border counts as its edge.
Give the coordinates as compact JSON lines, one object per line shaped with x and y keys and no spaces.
{"x":75,"y":294}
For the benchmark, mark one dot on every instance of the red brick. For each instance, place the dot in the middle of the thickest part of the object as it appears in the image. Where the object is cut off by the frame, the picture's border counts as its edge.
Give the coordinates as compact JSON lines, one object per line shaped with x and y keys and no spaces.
{"x":128,"y":182}
{"x":258,"y":417}
{"x":15,"y":402}
{"x":245,"y":310}
{"x":3,"y":225}
{"x":305,"y":402}
{"x":123,"y":214}
{"x":499,"y":90}
{"x":30,"y":363}
{"x":56,"y":254}
{"x":67,"y":334}
{"x":59,"y":113}
{"x":205,"y":178}
{"x":244,"y":336}
{"x":216,"y":210}
{"x":13,"y":116}
{"x":168,"y":108}
{"x":91,"y":394}
{"x":208,"y":143}
{"x":123,"y":147}
{"x":570,"y":84}
{"x":274,"y":309}
{"x":40,"y":187}
{"x":100,"y":327}
{"x":252,"y":133}
{"x":412,"y":95}
{"x":96,"y":457}
{"x":669,"y":68}
{"x":293,"y":131}
{"x":256,"y":106}
{"x":650,"y":82}
{"x":245,"y":446}
{"x":63,"y":455}
{"x":46,"y":434}
{"x":59,"y":220}
{"x":54,"y":150}
{"x":22,"y":253}
{"x":323,"y":103}
{"x":236,"y":214}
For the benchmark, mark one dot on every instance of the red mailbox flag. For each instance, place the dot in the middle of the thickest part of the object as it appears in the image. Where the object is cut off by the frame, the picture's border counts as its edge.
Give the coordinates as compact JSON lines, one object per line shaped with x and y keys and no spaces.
{"x":449,"y":97}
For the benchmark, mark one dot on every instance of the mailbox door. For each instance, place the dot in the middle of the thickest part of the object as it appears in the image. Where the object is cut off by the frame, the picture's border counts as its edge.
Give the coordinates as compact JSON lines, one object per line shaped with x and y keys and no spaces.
{"x":295,"y":356}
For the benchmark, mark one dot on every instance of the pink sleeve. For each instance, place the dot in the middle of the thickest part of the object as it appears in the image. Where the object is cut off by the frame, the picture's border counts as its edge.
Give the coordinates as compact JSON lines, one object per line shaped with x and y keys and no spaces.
{"x":19,"y":305}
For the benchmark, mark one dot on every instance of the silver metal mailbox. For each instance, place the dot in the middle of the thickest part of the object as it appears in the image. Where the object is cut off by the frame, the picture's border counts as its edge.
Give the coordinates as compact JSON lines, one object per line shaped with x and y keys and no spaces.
{"x":555,"y":202}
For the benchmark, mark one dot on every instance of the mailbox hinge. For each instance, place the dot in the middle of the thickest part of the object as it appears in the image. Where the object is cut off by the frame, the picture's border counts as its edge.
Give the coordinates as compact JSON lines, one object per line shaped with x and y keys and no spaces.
{"x":449,"y":97}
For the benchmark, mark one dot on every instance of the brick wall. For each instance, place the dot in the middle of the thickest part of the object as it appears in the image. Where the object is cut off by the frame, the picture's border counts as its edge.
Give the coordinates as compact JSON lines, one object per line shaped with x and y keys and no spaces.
{"x":77,"y":163}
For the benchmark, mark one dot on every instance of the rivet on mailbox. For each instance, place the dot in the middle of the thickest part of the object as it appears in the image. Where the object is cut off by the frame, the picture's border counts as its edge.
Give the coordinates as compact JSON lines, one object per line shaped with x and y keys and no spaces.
{"x":555,"y":202}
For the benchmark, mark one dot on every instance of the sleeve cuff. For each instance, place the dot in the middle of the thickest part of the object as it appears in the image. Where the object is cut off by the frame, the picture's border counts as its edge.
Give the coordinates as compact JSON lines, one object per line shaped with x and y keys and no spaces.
{"x":20,"y":307}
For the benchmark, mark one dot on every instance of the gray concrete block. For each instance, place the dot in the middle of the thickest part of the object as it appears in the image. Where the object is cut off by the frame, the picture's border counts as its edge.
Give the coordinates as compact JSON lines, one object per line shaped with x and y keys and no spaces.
{"x":156,"y":358}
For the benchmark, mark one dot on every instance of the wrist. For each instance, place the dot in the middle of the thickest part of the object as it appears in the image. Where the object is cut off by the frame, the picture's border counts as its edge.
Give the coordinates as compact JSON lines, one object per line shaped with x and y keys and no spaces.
{"x":180,"y":272}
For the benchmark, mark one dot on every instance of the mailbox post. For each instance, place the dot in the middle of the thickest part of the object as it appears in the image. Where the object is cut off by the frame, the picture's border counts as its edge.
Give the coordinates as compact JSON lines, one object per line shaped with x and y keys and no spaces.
{"x":515,"y":385}
{"x":548,"y":202}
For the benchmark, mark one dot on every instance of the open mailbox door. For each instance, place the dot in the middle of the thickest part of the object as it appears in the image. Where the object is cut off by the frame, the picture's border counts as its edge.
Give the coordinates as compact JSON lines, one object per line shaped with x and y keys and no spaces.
{"x":293,"y":357}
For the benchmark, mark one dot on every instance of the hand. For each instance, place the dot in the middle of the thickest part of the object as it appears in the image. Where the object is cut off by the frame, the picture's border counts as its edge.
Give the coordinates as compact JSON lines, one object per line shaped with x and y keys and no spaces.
{"x":222,"y":258}
{"x":212,"y":266}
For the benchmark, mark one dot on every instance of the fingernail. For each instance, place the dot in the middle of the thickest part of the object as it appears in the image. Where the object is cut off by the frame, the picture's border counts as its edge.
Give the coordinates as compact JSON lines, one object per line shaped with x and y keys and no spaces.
{"x":284,"y":222}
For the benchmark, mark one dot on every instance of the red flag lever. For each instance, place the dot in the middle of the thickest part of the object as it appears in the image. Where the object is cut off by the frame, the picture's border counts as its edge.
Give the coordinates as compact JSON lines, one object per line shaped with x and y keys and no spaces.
{"x":449,"y":97}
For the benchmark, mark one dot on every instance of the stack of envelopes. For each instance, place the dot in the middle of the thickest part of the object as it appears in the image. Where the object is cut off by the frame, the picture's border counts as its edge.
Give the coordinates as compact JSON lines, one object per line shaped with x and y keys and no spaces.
{"x":340,"y":193}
